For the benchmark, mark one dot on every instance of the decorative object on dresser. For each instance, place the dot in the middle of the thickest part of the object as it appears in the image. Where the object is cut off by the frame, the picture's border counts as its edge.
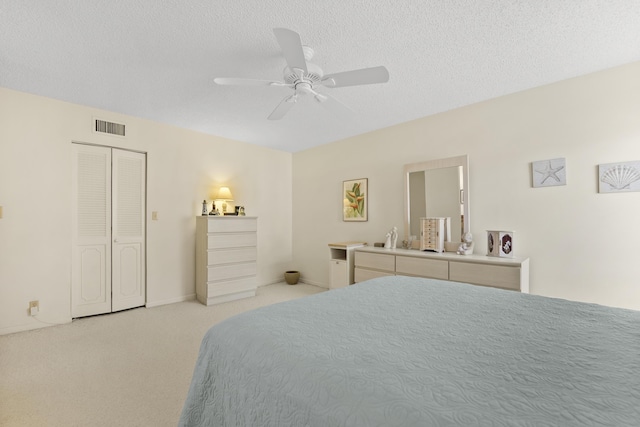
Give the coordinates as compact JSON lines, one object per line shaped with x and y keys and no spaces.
{"x":500,"y":243}
{"x":213,"y":210}
{"x":497,"y":272}
{"x":204,"y":207}
{"x":434,"y":232}
{"x":224,"y":195}
{"x":226,"y":258}
{"x":466,"y":247}
{"x":354,"y":203}
{"x":391,"y":238}
{"x":341,"y":263}
{"x":619,"y":177}
{"x":548,"y":173}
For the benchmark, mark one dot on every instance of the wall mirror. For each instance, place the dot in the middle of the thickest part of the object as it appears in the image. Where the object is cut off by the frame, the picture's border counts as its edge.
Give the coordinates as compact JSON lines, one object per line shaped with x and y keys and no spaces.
{"x":437,"y":188}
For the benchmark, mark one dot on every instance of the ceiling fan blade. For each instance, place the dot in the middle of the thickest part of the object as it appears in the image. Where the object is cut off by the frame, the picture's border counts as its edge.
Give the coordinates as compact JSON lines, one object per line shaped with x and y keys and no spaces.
{"x":364,"y":76}
{"x":291,"y":46}
{"x":246,"y":82}
{"x":334,"y":106}
{"x":282,"y":108}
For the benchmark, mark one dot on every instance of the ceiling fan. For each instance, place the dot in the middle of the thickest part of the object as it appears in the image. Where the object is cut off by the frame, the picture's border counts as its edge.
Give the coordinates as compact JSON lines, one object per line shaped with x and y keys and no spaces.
{"x":305,"y":77}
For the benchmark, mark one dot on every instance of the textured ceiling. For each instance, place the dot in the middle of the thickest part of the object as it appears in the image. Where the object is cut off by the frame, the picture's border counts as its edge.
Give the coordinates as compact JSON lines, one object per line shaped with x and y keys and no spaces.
{"x":157,"y":59}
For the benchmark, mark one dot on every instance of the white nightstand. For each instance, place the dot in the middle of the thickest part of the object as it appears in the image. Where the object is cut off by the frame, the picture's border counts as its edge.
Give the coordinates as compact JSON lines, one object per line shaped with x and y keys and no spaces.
{"x":341,"y":263}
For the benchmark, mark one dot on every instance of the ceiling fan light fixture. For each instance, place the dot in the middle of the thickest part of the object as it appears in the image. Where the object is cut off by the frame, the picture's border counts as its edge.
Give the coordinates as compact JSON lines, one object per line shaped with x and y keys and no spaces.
{"x":313,"y":74}
{"x":304,"y":77}
{"x":304,"y":87}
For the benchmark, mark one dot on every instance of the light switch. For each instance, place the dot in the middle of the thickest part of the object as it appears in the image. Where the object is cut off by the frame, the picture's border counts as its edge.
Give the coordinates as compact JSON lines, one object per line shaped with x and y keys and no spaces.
{"x":154,"y":215}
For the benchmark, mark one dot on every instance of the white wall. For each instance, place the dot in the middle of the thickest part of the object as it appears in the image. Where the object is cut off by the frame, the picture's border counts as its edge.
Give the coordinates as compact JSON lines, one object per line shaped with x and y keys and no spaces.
{"x":582,"y":245}
{"x":183,"y":168}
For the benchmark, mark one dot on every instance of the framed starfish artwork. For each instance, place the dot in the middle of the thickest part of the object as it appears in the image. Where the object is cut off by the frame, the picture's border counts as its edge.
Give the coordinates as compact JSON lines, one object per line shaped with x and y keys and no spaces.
{"x":549,"y":173}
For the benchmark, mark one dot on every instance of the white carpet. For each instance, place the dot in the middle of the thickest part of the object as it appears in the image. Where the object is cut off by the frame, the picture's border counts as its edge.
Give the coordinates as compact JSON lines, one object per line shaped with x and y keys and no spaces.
{"x":131,"y":368}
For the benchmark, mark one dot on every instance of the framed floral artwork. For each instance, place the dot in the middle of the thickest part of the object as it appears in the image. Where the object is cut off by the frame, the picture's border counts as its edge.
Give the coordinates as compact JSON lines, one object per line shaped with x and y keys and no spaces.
{"x":354,"y":200}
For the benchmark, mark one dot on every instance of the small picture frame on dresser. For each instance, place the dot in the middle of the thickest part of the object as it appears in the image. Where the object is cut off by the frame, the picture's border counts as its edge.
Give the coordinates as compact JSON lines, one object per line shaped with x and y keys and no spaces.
{"x":500,"y":243}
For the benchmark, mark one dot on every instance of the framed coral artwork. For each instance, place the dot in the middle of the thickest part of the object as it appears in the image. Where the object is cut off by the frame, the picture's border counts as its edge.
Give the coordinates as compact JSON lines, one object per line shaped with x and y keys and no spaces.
{"x":354,"y":200}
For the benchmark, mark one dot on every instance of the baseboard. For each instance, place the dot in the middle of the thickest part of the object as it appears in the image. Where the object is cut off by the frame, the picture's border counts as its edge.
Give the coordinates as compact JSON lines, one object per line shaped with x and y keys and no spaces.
{"x":171,"y":301}
{"x":302,"y":280}
{"x":314,"y":283}
{"x":30,"y":327}
{"x":193,"y":296}
{"x":271,"y":282}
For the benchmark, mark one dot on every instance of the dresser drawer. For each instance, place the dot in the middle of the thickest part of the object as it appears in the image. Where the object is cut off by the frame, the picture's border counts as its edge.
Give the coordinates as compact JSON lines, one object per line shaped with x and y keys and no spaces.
{"x":488,"y":275}
{"x":226,"y":225}
{"x":231,"y":271}
{"x":227,"y":256}
{"x":433,"y":268}
{"x":375,"y":261}
{"x":362,"y":274}
{"x":231,"y":240}
{"x":231,"y":286}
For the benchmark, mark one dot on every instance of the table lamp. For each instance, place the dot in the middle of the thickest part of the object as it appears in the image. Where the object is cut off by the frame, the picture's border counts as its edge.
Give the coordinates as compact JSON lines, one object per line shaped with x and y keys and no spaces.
{"x":224,"y":194}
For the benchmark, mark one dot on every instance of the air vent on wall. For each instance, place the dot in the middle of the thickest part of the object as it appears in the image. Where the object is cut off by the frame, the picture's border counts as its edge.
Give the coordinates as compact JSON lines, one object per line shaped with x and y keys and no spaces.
{"x":103,"y":126}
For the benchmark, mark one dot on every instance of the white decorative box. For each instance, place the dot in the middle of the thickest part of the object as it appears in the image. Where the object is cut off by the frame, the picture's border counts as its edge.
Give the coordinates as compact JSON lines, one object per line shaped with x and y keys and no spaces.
{"x":500,"y":243}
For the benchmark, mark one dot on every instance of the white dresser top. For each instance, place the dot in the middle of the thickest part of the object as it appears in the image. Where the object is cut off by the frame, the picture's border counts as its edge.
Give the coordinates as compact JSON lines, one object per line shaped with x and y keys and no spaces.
{"x":226,"y":217}
{"x":447,"y":256}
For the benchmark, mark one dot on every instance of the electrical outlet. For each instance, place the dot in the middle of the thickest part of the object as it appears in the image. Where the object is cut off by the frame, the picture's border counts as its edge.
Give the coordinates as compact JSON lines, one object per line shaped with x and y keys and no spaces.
{"x":34,"y":307}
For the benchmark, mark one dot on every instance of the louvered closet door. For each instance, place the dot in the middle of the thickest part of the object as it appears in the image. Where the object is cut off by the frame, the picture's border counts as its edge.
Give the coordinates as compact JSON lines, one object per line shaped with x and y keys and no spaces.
{"x":108,"y":265}
{"x":91,"y":252}
{"x":128,"y":245}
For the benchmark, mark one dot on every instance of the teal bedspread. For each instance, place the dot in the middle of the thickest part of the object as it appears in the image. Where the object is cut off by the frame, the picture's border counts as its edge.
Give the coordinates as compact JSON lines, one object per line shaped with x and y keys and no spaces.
{"x":402,"y":351}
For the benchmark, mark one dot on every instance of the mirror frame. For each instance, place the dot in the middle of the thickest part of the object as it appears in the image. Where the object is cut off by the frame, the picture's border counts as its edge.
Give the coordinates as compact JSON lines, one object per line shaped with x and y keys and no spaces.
{"x":438,"y":164}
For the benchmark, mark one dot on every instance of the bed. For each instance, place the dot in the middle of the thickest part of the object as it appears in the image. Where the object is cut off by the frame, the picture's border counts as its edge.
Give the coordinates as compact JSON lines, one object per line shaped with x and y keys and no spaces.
{"x":402,"y":351}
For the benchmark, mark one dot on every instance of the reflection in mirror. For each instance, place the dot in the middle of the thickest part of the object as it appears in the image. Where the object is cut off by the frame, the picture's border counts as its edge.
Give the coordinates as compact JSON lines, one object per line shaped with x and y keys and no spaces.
{"x":442,"y":188}
{"x":437,"y":188}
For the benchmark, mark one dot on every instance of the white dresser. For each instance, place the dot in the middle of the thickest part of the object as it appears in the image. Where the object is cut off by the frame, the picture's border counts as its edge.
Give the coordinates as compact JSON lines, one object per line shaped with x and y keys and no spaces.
{"x":226,"y":258}
{"x":505,"y":273}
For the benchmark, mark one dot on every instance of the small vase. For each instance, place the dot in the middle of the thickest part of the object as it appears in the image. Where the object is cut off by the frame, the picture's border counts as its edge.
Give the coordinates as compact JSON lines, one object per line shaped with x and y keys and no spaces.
{"x":291,"y":277}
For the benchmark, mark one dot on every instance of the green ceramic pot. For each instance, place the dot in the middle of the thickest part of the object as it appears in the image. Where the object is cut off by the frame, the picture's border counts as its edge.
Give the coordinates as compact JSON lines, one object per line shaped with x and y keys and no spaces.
{"x":291,"y":277}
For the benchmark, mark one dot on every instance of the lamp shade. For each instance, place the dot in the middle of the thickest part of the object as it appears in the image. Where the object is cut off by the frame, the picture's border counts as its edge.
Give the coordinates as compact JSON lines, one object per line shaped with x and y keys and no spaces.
{"x":225,"y":194}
